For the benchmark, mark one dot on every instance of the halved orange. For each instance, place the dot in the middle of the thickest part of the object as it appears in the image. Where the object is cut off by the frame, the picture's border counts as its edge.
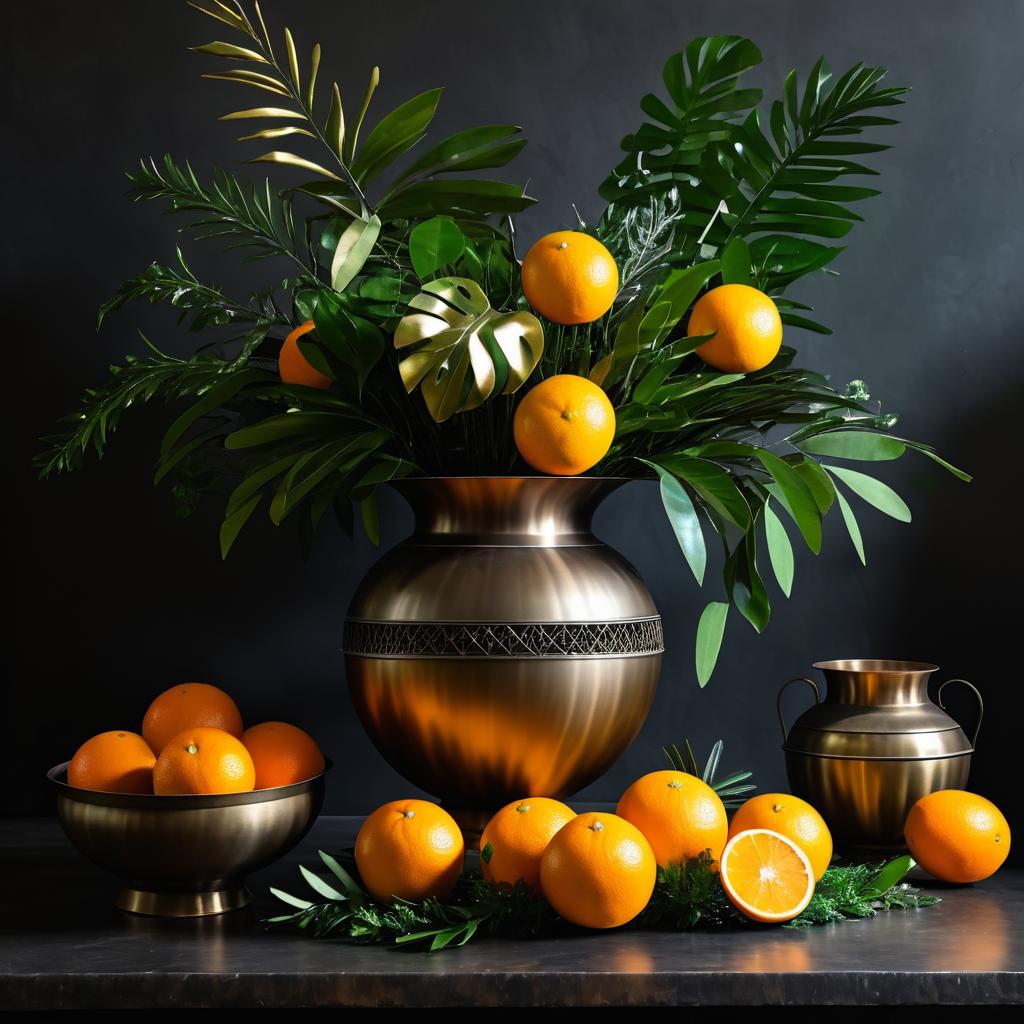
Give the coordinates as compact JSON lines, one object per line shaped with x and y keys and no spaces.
{"x":767,"y":876}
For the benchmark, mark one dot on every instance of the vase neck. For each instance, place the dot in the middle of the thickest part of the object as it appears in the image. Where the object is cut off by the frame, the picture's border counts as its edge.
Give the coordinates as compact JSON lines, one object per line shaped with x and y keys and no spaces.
{"x":873,"y":683}
{"x":524,"y":510}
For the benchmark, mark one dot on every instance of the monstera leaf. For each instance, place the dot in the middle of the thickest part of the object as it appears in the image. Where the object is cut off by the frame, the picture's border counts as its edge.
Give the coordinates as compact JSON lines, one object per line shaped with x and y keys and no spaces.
{"x":463,"y":351}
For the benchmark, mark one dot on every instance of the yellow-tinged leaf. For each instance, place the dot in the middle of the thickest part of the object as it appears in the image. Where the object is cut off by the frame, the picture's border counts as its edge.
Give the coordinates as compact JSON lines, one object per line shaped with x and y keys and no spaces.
{"x":600,"y":370}
{"x":277,"y":133}
{"x":314,"y":67}
{"x":335,"y":129}
{"x":227,"y":18}
{"x":371,"y":88}
{"x":250,"y":78}
{"x":219,"y":49}
{"x":279,"y":157}
{"x":293,"y":59}
{"x":263,"y":112}
{"x":263,"y":27}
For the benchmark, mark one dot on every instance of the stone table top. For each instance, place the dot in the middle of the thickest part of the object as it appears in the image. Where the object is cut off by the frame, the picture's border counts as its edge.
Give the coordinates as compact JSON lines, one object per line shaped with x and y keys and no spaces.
{"x":62,"y":944}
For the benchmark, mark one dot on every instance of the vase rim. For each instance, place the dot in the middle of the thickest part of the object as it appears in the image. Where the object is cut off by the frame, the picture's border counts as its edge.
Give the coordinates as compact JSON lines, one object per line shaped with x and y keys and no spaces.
{"x":876,"y":666}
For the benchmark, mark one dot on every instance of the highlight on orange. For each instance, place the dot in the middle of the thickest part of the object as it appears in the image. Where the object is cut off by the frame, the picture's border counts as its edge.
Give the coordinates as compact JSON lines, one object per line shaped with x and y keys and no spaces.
{"x":203,"y":761}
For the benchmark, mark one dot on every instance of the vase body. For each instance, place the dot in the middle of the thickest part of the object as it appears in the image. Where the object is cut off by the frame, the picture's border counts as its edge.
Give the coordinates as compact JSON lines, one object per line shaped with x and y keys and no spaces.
{"x":872,"y":748}
{"x":502,"y":651}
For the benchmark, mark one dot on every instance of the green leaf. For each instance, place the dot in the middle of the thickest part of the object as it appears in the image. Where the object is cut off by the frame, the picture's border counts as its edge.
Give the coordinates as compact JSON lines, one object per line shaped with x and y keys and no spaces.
{"x":714,"y":485}
{"x":736,"y":263}
{"x":394,"y":134}
{"x":863,"y":445}
{"x":743,"y":581}
{"x":357,"y":342}
{"x":780,"y":551}
{"x":710,"y":630}
{"x":464,"y":198}
{"x":874,"y":492}
{"x":818,"y":482}
{"x":684,"y":520}
{"x":347,"y":881}
{"x":234,"y":522}
{"x":354,"y":248}
{"x":852,"y":527}
{"x":292,"y":901}
{"x":795,"y":496}
{"x":319,"y":885}
{"x":470,"y":150}
{"x":435,"y":244}
{"x":892,"y":874}
{"x":487,"y":853}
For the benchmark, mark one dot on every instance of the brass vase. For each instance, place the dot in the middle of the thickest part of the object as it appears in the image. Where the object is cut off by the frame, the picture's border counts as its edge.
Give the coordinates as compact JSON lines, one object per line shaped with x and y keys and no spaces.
{"x":502,"y":651}
{"x":873,"y":747}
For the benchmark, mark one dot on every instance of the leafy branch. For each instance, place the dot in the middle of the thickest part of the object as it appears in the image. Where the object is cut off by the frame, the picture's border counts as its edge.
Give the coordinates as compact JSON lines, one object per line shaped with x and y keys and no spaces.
{"x":730,"y":789}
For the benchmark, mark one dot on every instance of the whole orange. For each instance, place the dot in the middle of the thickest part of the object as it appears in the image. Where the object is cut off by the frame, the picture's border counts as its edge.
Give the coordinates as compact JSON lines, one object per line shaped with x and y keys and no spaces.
{"x":680,"y":815}
{"x":570,"y":278}
{"x":293,"y":367}
{"x":514,"y":840}
{"x":203,"y":761}
{"x":409,"y":850}
{"x":189,"y":706}
{"x":113,"y":762}
{"x":282,"y":754}
{"x":747,"y":326}
{"x":957,"y":836}
{"x":564,"y":425}
{"x":791,"y":817}
{"x":598,"y":871}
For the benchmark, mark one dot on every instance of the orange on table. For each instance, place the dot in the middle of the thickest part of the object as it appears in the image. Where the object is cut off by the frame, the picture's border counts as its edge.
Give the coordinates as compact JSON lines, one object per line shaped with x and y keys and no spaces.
{"x":203,"y":761}
{"x":747,"y":326}
{"x":282,"y":754}
{"x":766,"y":876}
{"x":680,"y":815}
{"x":570,"y":278}
{"x":957,"y":836}
{"x":791,"y":817}
{"x":409,"y":850}
{"x":564,"y":425}
{"x":189,"y":706}
{"x":113,"y":762}
{"x":514,"y":840}
{"x":293,"y":367}
{"x":598,"y":871}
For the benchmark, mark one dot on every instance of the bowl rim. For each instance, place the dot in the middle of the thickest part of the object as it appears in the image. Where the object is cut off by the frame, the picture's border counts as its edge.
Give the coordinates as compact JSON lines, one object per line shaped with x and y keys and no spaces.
{"x":57,"y":776}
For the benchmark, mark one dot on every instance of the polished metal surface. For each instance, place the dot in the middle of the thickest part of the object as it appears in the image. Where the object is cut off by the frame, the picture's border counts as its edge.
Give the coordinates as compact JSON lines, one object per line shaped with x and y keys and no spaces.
{"x":502,"y":650}
{"x":185,"y":856}
{"x":873,"y":747}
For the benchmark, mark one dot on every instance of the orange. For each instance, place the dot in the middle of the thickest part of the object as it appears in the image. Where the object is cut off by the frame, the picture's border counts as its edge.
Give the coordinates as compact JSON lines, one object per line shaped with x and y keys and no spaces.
{"x":564,"y":425}
{"x":767,"y":876}
{"x":113,"y":762}
{"x":282,"y":754}
{"x":189,"y":706}
{"x":747,"y":326}
{"x":293,"y":366}
{"x":409,"y":850}
{"x":791,"y":817}
{"x":957,"y":836}
{"x":203,"y":761}
{"x":570,"y":278}
{"x":515,"y":839}
{"x":598,"y":871}
{"x":680,"y":815}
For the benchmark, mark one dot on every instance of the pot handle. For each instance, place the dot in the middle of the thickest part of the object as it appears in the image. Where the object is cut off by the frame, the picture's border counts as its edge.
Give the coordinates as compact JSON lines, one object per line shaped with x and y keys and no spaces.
{"x":981,"y":705}
{"x":817,"y":699}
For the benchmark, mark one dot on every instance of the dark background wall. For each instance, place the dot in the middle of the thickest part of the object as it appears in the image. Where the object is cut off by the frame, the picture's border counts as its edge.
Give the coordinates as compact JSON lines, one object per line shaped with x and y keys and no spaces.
{"x":115,"y":599}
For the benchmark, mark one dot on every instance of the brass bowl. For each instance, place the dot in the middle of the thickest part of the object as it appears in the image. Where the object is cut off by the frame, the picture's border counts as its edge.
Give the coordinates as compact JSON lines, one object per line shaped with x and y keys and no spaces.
{"x":186,"y":856}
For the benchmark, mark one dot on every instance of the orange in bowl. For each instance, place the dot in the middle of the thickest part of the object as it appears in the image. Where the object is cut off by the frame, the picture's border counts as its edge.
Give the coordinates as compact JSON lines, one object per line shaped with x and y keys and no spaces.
{"x":203,"y":761}
{"x":113,"y":762}
{"x":282,"y":754}
{"x":189,"y":706}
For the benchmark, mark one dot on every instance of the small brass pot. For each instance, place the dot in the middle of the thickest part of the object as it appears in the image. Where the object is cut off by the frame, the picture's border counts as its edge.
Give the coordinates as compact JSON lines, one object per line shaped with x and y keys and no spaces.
{"x":873,"y":747}
{"x":502,"y":651}
{"x":186,"y":856}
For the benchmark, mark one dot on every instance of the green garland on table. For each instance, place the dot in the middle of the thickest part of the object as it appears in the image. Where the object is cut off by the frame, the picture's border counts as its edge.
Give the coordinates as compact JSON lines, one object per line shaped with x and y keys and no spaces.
{"x":685,"y":896}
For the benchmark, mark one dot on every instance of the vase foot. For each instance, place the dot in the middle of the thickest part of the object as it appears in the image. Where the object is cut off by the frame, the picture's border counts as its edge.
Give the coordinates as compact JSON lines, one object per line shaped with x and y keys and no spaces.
{"x":182,"y":904}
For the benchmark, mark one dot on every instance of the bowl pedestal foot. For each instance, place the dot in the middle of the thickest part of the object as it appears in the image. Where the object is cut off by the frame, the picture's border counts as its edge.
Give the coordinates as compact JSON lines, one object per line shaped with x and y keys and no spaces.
{"x":183,"y":904}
